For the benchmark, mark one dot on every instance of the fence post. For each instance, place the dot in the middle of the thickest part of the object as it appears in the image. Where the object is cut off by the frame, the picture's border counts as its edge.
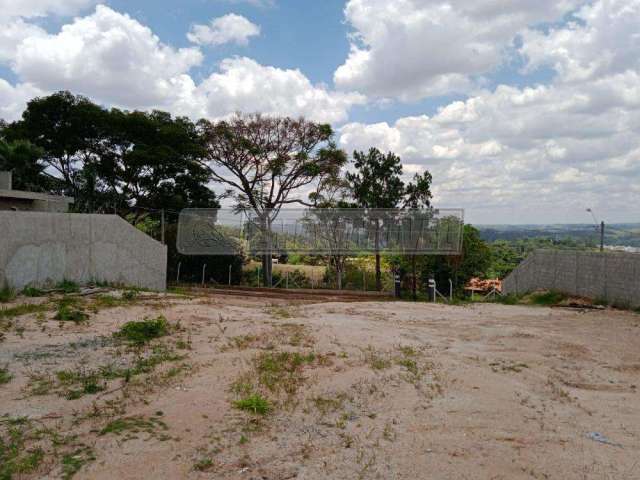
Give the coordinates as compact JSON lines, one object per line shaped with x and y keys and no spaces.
{"x":229,"y":275}
{"x":204,"y":268}
{"x":450,"y":291}
{"x":364,"y":281}
{"x":178,"y":276}
{"x":286,"y":283}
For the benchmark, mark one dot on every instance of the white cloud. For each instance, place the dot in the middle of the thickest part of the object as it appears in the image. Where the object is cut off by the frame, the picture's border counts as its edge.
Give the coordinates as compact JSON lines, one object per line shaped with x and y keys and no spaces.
{"x":14,"y":98}
{"x":108,"y":56}
{"x":12,"y":33}
{"x":411,"y":49}
{"x":41,"y":8}
{"x":603,"y":39}
{"x":115,"y":60}
{"x":230,"y":28}
{"x":244,"y":85}
{"x":523,"y":154}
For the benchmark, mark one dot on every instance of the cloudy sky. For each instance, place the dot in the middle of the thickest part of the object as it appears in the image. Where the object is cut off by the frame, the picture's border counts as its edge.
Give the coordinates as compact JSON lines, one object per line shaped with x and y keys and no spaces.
{"x":524,"y":111}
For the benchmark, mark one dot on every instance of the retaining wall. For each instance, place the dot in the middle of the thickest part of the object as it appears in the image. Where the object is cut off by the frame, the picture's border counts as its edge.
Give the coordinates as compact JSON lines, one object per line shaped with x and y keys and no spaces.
{"x":39,"y":248}
{"x":610,"y":276}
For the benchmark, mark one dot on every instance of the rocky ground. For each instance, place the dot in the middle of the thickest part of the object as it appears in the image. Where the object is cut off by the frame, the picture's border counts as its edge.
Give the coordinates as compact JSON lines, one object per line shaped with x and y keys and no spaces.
{"x":241,"y":387}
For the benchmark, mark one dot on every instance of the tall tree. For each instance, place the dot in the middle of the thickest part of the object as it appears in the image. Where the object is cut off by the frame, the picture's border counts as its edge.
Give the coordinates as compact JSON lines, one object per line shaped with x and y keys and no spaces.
{"x":23,"y":159}
{"x":65,"y":127}
{"x":267,"y":161}
{"x":114,"y":160}
{"x":376,"y":183}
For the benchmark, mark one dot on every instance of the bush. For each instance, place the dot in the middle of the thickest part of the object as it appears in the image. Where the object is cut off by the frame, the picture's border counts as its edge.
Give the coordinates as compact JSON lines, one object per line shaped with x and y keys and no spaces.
{"x":144,"y":331}
{"x":32,"y":292}
{"x":7,"y":294}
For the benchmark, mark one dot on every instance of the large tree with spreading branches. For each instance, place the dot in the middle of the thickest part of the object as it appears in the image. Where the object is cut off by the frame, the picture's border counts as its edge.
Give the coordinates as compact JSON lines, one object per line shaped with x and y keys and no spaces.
{"x":267,"y":162}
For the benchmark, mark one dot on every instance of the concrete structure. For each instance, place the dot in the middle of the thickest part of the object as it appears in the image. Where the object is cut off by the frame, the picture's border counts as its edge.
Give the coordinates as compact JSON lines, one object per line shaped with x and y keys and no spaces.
{"x":19,"y":200}
{"x":38,"y":249}
{"x":610,"y":276}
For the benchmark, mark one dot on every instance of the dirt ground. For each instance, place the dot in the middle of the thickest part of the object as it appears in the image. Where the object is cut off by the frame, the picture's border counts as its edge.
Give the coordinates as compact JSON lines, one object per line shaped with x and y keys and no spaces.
{"x":371,"y":390}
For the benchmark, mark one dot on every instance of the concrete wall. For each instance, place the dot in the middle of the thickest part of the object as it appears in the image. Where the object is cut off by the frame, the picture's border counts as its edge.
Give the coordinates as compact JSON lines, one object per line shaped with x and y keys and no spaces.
{"x":38,"y":248}
{"x":610,"y":276}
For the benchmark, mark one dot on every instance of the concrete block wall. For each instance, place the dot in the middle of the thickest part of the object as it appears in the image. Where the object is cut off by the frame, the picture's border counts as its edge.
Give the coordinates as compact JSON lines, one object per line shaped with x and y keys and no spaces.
{"x":610,"y":276}
{"x":41,"y":248}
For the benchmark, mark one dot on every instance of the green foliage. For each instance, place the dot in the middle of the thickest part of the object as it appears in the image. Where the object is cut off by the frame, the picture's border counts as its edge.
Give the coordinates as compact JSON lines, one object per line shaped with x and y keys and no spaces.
{"x":108,"y":159}
{"x":32,"y":292}
{"x":24,"y":309}
{"x":473,"y":262}
{"x":144,"y":331}
{"x":74,"y":461}
{"x":5,"y":375}
{"x":7,"y":294}
{"x":254,"y":403}
{"x":70,"y":311}
{"x":546,"y":298}
{"x":68,"y":286}
{"x":16,"y":457}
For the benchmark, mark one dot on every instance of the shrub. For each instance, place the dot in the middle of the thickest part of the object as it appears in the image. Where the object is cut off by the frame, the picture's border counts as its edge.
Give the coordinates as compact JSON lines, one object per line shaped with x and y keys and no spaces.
{"x":7,"y":294}
{"x":32,"y":292}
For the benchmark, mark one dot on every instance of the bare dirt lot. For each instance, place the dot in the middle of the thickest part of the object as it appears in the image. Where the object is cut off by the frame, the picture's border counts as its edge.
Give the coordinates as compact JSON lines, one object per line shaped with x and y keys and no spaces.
{"x":241,"y":387}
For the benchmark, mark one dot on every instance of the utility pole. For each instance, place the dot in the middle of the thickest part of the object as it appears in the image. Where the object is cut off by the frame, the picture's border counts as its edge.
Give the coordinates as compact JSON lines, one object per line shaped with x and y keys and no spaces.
{"x":602,"y":236}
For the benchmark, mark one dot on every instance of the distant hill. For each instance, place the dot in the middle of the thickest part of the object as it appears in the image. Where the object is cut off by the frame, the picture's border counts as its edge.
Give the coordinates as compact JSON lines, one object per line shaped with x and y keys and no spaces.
{"x":616,"y":234}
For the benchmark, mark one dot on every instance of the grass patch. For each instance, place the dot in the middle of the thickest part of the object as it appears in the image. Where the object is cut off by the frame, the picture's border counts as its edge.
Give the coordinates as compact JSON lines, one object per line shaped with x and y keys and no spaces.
{"x":32,"y":292}
{"x":16,"y":458}
{"x":280,"y":312}
{"x":5,"y":375}
{"x":73,"y":462}
{"x":546,"y":298}
{"x":129,"y":426}
{"x":7,"y":294}
{"x":327,"y":405}
{"x":24,"y":309}
{"x":282,"y":371}
{"x":70,"y":310}
{"x":110,"y":301}
{"x":375,"y":360}
{"x":68,"y":286}
{"x":203,"y":465}
{"x":255,"y":403}
{"x":139,"y":333}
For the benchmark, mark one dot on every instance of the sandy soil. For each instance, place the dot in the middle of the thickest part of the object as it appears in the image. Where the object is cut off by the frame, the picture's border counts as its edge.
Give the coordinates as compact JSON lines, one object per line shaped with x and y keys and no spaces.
{"x":392,"y":391}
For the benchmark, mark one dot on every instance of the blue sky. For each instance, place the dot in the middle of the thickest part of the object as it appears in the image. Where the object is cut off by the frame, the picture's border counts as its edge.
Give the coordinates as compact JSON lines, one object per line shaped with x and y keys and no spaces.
{"x":524,"y":112}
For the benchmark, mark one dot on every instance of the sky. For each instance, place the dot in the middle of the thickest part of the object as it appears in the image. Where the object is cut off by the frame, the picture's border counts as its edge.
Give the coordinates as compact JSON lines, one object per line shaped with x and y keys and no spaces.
{"x":524,"y":112}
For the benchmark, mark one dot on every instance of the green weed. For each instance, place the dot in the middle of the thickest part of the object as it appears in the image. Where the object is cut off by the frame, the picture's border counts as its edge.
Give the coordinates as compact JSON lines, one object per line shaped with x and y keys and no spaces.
{"x":144,"y":331}
{"x":255,"y":404}
{"x":68,"y":286}
{"x":547,"y":298}
{"x":5,"y":375}
{"x":24,"y":309}
{"x":73,"y":462}
{"x":32,"y":292}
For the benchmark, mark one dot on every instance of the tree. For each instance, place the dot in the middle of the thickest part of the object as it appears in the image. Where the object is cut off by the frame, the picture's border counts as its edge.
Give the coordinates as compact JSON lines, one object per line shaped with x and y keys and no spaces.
{"x":377,"y":183}
{"x":474,"y":261}
{"x":266,"y":161}
{"x":115,"y":160}
{"x":23,"y":159}
{"x":65,"y":127}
